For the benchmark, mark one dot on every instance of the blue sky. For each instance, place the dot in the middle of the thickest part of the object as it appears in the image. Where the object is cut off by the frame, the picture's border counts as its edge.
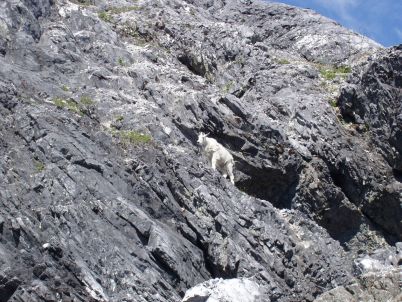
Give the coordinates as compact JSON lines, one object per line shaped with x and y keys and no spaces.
{"x":380,"y":20}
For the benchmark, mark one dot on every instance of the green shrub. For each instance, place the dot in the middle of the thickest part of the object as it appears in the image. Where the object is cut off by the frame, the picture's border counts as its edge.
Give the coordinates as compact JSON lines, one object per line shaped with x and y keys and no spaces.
{"x":65,"y":88}
{"x":120,"y":61}
{"x":39,"y":166}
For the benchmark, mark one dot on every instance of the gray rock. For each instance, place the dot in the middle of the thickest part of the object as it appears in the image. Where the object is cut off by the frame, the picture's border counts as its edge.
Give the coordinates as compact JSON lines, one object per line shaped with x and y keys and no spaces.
{"x":104,"y":194}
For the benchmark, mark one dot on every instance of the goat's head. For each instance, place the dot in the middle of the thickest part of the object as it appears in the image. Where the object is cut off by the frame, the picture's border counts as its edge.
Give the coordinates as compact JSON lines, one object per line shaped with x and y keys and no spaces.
{"x":201,"y":138}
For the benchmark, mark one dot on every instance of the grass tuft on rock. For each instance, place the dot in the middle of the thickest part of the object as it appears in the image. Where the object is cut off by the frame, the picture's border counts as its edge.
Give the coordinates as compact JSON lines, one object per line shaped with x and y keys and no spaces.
{"x":69,"y":104}
{"x":107,"y":15}
{"x":134,"y":137}
{"x":333,"y":103}
{"x":119,"y":118}
{"x":86,"y":101}
{"x":39,"y":166}
{"x":124,"y":9}
{"x":331,"y":72}
{"x":283,"y":62}
{"x":80,"y":107}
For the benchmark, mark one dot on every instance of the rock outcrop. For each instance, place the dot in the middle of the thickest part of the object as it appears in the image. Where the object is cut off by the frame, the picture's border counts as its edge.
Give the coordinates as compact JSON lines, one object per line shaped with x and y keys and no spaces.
{"x":104,"y":195}
{"x":378,"y":278}
{"x":371,"y":288}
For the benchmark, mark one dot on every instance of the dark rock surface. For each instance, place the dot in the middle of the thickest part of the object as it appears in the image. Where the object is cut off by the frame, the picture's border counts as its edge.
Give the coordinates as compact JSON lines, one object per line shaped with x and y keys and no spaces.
{"x":372,"y":101}
{"x":103,"y":193}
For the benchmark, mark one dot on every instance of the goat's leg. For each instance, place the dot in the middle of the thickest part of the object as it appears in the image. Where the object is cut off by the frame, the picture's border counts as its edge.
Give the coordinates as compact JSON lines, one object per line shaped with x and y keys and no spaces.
{"x":229,"y":169}
{"x":213,"y":161}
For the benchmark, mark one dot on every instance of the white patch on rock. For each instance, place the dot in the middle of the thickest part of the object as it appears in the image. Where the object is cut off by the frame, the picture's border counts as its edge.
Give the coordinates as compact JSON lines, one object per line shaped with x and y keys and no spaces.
{"x":107,"y":124}
{"x":166,"y":129}
{"x":308,"y":40}
{"x":229,"y":290}
{"x":67,"y":9}
{"x":368,"y":264}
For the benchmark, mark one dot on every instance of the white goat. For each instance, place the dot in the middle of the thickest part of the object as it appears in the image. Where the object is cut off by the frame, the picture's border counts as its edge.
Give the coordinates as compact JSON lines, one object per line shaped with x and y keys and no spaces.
{"x":217,"y":155}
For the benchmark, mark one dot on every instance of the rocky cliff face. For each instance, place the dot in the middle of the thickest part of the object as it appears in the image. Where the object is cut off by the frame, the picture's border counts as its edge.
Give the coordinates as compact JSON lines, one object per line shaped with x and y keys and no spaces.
{"x":104,"y":194}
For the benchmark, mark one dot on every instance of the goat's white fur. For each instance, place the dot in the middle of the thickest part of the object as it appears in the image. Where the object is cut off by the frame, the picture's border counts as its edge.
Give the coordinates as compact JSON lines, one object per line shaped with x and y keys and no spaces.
{"x":218,"y":157}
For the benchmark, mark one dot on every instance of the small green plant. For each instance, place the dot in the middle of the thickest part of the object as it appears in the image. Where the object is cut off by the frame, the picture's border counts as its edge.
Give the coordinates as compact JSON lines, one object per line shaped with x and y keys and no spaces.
{"x":124,"y":9}
{"x":69,"y":104}
{"x":343,"y":69}
{"x":227,"y":86}
{"x":330,"y":72}
{"x":105,"y":16}
{"x":130,"y":30}
{"x":119,"y":118}
{"x":283,"y":62}
{"x":39,"y":166}
{"x":121,"y":62}
{"x":366,"y":127}
{"x":333,"y":103}
{"x":86,"y":101}
{"x":131,"y":137}
{"x":73,"y":106}
{"x":65,"y":88}
{"x":59,"y":102}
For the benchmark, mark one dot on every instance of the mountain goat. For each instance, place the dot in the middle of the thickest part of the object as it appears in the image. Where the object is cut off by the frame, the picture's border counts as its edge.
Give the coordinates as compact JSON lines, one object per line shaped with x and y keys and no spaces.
{"x":217,"y":155}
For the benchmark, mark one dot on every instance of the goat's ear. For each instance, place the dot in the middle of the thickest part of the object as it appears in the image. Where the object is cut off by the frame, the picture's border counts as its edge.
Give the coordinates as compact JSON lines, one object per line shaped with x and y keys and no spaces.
{"x":206,"y":134}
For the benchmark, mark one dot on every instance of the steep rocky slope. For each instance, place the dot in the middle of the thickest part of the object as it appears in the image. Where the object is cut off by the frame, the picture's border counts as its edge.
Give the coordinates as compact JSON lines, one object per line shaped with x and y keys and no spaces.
{"x":104,"y":194}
